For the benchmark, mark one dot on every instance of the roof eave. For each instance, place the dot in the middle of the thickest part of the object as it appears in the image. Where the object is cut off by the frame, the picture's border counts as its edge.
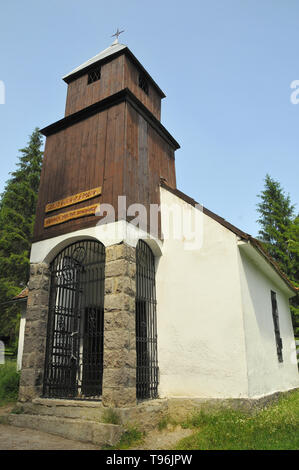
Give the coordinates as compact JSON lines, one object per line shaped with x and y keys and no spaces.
{"x":76,"y":74}
{"x":121,"y":96}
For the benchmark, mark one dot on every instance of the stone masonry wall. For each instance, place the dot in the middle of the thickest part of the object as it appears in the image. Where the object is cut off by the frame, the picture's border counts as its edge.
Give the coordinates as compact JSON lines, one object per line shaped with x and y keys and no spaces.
{"x":119,"y":377}
{"x":31,"y":382}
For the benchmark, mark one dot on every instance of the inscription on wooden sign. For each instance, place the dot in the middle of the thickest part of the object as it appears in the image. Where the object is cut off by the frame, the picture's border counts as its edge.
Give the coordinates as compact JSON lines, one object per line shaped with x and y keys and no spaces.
{"x":70,"y":200}
{"x":65,"y":216}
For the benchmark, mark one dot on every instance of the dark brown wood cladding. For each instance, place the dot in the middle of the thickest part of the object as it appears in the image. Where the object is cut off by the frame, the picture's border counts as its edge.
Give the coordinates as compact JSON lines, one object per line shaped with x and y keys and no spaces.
{"x":76,"y":160}
{"x":80,"y":94}
{"x":131,"y":76}
{"x":117,"y":149}
{"x":116,"y":75}
{"x":119,"y":97}
{"x":148,"y":158}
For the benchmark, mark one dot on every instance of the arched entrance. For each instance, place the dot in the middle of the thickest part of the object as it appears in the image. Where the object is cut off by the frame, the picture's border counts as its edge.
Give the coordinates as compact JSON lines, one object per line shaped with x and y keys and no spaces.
{"x":146,"y":323}
{"x":74,"y":353}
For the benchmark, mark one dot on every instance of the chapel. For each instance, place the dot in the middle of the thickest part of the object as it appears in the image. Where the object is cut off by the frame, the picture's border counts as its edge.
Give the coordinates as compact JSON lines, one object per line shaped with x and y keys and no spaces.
{"x":137,"y":293}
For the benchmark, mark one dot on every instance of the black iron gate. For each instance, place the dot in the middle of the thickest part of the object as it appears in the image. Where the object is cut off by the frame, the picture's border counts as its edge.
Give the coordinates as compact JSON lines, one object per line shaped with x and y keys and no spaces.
{"x":146,"y":323}
{"x":74,"y":353}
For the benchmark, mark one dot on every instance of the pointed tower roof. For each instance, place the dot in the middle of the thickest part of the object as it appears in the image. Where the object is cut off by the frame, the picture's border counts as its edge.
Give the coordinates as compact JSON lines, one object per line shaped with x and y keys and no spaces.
{"x":110,"y":52}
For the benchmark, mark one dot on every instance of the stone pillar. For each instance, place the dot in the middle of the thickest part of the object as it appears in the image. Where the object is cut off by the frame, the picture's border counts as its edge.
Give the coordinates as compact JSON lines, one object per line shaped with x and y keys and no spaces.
{"x":31,"y":382}
{"x":119,"y":376}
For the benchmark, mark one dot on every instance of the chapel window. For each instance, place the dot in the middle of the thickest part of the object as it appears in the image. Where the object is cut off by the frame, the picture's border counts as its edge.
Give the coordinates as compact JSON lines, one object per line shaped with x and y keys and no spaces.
{"x":94,"y":75}
{"x":142,"y":82}
{"x":276,"y":326}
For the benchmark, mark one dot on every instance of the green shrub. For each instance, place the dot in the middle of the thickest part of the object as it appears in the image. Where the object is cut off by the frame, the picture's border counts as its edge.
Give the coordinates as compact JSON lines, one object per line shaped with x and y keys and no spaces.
{"x":9,"y":381}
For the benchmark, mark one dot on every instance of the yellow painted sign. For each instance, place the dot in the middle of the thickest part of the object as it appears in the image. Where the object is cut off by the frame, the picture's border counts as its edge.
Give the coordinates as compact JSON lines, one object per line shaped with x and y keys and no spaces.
{"x":75,"y":199}
{"x":65,"y":216}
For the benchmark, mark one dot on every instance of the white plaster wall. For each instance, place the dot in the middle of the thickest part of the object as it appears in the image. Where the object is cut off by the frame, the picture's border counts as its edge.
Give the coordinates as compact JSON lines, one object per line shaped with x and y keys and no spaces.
{"x":201,"y":344}
{"x":108,"y":234}
{"x":21,"y":335}
{"x":205,"y":304}
{"x":265,"y":374}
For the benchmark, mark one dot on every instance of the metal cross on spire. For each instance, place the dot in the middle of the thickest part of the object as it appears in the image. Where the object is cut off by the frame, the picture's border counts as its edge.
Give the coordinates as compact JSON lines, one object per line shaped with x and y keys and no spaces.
{"x":117,"y":34}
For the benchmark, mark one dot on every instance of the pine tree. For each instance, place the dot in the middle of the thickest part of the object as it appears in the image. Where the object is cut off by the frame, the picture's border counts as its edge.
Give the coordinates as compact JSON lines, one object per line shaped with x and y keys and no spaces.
{"x":293,"y":243}
{"x":276,"y":216}
{"x":279,"y":232}
{"x":17,"y":213}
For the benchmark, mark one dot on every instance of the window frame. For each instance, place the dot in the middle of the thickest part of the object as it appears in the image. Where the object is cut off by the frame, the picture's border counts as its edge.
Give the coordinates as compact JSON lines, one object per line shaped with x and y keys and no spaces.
{"x":275,"y":317}
{"x":94,"y":75}
{"x":143,"y":83}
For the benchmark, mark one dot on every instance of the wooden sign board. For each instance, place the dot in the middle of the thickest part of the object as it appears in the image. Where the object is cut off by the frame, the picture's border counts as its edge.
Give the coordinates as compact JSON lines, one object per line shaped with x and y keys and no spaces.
{"x":75,"y":199}
{"x":65,"y":216}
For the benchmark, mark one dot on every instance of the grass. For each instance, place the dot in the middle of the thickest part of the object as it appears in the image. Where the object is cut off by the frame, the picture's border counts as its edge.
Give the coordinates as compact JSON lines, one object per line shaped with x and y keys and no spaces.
{"x":273,"y":428}
{"x":9,"y":382}
{"x":10,"y":352}
{"x":165,"y":422}
{"x":110,"y":416}
{"x":17,"y":410}
{"x":131,"y":437}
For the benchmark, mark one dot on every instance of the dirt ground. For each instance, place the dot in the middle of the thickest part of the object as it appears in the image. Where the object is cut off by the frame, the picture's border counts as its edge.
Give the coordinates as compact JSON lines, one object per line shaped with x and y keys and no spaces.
{"x":163,"y":440}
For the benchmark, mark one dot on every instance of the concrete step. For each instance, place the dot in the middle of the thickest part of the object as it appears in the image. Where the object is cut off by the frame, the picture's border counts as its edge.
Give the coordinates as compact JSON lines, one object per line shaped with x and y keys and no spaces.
{"x":145,"y":415}
{"x":97,"y":433}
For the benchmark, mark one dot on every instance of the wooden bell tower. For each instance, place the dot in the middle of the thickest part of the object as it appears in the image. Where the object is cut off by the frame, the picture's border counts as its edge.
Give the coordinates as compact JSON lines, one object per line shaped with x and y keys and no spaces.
{"x":110,"y":143}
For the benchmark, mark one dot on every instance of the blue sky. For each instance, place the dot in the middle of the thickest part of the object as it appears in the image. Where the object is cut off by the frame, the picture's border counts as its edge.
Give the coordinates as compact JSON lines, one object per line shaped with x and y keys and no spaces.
{"x":225,"y":65}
